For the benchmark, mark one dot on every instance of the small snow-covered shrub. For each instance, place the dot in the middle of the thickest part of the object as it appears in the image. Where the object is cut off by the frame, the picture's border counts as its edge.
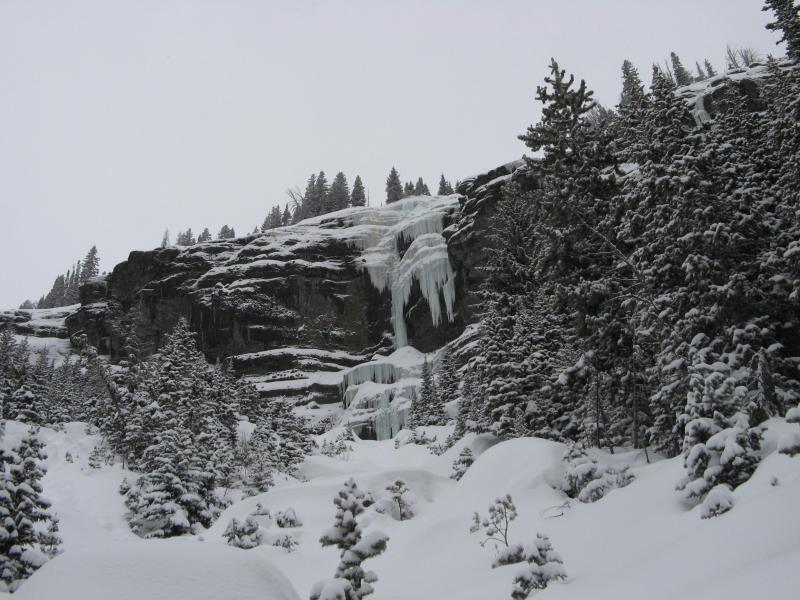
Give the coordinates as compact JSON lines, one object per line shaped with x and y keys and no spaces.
{"x":332,"y":589}
{"x":243,"y":535}
{"x":100,"y":455}
{"x":718,"y":501}
{"x":396,"y":505}
{"x":287,"y":542}
{"x":461,"y":464}
{"x":588,"y":480}
{"x":544,"y":565}
{"x":438,"y":449}
{"x":260,"y":511}
{"x":719,"y":455}
{"x":496,"y":523}
{"x":286,"y":519}
{"x":68,"y":457}
{"x":510,"y":555}
{"x":339,"y":448}
{"x":416,"y":437}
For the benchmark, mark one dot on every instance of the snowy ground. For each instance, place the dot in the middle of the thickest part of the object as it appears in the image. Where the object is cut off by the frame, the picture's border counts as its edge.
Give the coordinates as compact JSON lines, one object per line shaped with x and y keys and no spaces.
{"x":638,"y":541}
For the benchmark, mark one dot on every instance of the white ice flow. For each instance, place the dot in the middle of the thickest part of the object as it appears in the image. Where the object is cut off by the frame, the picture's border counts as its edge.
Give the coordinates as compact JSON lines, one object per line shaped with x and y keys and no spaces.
{"x":382,"y":232}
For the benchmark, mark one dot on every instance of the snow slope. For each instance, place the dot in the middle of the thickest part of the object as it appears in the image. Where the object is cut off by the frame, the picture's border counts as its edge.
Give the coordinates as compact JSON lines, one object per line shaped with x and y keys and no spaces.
{"x":638,"y":540}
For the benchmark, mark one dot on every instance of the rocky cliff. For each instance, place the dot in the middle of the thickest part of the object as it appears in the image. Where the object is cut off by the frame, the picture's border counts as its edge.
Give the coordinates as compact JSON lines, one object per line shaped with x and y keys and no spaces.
{"x":298,"y":307}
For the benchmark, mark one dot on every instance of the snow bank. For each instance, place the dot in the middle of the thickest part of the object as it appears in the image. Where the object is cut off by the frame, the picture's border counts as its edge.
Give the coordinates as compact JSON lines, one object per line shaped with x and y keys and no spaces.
{"x":178,"y":569}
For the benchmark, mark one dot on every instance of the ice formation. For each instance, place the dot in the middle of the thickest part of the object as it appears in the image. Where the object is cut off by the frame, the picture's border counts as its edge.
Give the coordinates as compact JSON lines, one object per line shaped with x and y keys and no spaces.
{"x":416,"y":221}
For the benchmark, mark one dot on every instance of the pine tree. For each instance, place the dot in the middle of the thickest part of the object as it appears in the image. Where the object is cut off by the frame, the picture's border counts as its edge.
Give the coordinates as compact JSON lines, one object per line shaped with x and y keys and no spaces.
{"x":787,"y":22}
{"x":205,"y":236}
{"x":701,"y":75}
{"x":682,"y":76}
{"x":91,"y":265}
{"x":462,"y":463}
{"x":429,"y":409}
{"x":339,"y":193}
{"x":710,"y":71}
{"x":165,"y":239}
{"x":357,"y":196}
{"x":320,"y":202}
{"x":394,"y":189}
{"x":421,"y":188}
{"x":408,"y":189}
{"x":544,"y":566}
{"x":225,"y":233}
{"x":346,"y":535}
{"x":396,"y":492}
{"x":448,"y":380}
{"x":286,"y":217}
{"x":445,"y":189}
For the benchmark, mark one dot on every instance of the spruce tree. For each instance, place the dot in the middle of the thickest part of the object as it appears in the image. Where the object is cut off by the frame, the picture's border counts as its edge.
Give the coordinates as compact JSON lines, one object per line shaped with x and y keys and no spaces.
{"x":346,"y":535}
{"x":357,"y":196}
{"x":787,"y":22}
{"x":710,"y":70}
{"x":394,"y":189}
{"x":339,"y":193}
{"x":421,"y":188}
{"x":205,"y":236}
{"x":682,"y":76}
{"x":90,"y":266}
{"x":445,"y":189}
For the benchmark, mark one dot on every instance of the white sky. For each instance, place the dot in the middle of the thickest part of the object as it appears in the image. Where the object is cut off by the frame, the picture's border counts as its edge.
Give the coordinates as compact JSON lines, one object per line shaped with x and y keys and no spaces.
{"x":120,"y":118}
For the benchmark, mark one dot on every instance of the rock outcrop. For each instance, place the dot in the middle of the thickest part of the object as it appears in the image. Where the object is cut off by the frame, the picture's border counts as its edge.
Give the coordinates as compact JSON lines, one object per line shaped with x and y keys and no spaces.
{"x":296,"y":307}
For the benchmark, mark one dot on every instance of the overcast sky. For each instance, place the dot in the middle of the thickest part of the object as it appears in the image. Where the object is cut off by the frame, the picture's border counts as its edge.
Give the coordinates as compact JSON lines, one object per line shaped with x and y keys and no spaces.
{"x":120,"y":118}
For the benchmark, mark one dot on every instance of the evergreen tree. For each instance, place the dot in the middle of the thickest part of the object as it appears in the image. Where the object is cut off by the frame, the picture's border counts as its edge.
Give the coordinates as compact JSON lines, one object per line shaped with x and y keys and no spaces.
{"x":710,"y":71}
{"x":421,"y":188}
{"x":787,"y":22}
{"x":320,"y":203}
{"x":448,"y":381}
{"x":346,"y":535}
{"x":205,"y":236}
{"x":394,"y":189}
{"x":357,"y":196}
{"x":445,"y":189}
{"x":701,"y":75}
{"x":408,"y":189}
{"x":225,"y":233}
{"x":682,"y":76}
{"x":91,"y":265}
{"x":165,"y":239}
{"x":286,"y":217}
{"x":462,"y":463}
{"x":339,"y":193}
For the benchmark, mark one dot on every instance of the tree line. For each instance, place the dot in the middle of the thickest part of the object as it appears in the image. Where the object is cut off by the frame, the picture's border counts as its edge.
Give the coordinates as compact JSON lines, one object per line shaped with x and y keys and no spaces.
{"x":64,"y":291}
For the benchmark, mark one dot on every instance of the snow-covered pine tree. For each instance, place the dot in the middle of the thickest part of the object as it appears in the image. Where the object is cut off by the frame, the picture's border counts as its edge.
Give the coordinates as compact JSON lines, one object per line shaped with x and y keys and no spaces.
{"x":462,"y":463}
{"x":448,"y":378}
{"x":24,"y":510}
{"x":205,"y":236}
{"x":396,"y":492}
{"x":544,"y":565}
{"x":346,"y":535}
{"x":430,"y":410}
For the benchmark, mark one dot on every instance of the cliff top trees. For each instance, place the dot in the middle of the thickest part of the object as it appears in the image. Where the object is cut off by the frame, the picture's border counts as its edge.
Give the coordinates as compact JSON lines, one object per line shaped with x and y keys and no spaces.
{"x":394,"y":189}
{"x":357,"y":196}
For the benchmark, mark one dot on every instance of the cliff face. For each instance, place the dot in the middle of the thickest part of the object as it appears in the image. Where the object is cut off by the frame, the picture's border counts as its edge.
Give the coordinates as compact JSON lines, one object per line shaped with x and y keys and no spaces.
{"x":296,"y":306}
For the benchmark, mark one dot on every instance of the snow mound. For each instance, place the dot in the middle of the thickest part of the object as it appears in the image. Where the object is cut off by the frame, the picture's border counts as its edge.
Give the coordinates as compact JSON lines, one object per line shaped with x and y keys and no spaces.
{"x":158,"y":570}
